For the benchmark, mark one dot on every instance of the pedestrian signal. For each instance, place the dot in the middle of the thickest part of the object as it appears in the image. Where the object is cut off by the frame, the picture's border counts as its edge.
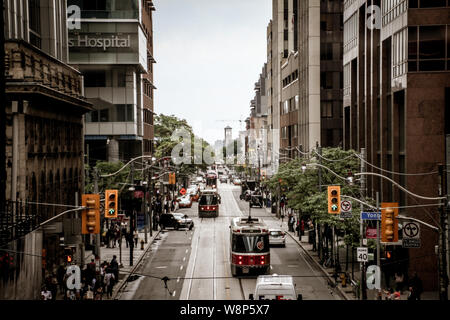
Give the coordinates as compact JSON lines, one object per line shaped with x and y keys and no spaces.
{"x":389,"y":222}
{"x":334,"y":199}
{"x":111,"y":204}
{"x":90,"y":217}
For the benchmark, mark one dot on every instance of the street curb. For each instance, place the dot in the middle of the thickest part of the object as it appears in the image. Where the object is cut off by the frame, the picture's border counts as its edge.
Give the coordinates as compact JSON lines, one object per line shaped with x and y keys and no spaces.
{"x":343,"y":294}
{"x":124,"y":281}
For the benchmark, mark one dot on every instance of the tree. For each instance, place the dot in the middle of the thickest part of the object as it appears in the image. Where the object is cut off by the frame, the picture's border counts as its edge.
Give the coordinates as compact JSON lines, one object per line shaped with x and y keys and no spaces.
{"x":302,"y":189}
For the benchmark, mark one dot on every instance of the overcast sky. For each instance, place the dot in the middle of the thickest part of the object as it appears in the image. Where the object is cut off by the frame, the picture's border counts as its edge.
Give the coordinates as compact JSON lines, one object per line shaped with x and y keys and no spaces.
{"x":209,"y":55}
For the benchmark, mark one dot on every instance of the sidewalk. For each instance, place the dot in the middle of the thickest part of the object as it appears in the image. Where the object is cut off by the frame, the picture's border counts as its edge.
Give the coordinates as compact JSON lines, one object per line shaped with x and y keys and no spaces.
{"x":106,"y":254}
{"x":348,"y":291}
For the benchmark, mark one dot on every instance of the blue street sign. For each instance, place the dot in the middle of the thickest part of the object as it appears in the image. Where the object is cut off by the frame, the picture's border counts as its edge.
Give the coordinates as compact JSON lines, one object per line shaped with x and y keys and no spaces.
{"x":370,"y":215}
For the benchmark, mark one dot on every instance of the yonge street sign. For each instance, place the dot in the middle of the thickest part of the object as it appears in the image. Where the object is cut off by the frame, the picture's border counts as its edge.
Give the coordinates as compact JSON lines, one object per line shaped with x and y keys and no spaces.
{"x":105,"y":42}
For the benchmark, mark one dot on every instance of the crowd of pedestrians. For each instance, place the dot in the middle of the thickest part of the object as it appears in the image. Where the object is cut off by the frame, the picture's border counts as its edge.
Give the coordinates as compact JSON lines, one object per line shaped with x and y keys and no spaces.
{"x":96,"y":282}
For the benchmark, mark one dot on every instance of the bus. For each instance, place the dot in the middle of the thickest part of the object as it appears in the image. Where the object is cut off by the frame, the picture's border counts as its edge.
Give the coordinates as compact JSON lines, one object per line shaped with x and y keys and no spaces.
{"x":208,"y":204}
{"x":249,"y":246}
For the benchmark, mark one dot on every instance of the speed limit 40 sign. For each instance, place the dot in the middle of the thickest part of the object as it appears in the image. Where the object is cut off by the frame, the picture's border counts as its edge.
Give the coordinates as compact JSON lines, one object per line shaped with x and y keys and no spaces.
{"x":362,"y":254}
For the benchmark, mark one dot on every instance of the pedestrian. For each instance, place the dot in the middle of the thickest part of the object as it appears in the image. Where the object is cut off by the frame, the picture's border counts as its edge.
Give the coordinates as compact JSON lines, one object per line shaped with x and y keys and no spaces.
{"x":114,"y":266}
{"x":54,"y":286}
{"x":398,"y":281}
{"x":302,"y":227}
{"x":60,"y":277}
{"x":136,"y":237}
{"x":46,"y":294}
{"x":416,"y":287}
{"x":109,"y":282}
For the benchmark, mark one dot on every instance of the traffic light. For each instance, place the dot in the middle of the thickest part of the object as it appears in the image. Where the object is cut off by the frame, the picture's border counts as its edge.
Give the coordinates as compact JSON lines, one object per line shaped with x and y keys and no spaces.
{"x":111,"y":203}
{"x":69,"y":259}
{"x":90,"y":217}
{"x":389,"y":225}
{"x":172,"y":179}
{"x":388,"y":255}
{"x":334,"y":199}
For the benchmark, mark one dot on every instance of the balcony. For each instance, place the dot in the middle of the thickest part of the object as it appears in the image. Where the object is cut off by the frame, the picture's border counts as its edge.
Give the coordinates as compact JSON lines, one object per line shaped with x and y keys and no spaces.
{"x":30,"y":71}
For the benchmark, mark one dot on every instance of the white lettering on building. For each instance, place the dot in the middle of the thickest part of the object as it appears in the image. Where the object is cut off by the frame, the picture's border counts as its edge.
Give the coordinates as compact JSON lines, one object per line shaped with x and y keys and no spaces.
{"x":105,"y":43}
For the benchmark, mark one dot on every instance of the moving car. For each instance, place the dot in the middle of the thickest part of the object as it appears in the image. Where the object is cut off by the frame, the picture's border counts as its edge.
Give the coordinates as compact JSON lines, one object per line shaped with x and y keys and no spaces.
{"x":277,"y":237}
{"x":237,"y":182}
{"x":223,"y":179}
{"x":176,"y":221}
{"x":275,"y":287}
{"x":185,"y":201}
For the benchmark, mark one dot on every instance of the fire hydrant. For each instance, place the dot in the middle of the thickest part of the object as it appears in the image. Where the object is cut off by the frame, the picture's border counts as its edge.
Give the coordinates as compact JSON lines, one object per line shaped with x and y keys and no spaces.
{"x":142,"y":244}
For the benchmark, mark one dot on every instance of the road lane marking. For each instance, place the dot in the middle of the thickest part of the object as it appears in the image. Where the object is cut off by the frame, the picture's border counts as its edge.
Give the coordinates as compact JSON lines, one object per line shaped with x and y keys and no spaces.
{"x":181,"y":268}
{"x":162,"y":267}
{"x":173,"y":294}
{"x":184,"y":259}
{"x":178,"y":279}
{"x":187,"y":250}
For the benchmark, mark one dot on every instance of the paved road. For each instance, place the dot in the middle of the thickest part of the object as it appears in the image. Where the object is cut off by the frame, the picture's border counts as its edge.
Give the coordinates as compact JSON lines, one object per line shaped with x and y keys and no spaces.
{"x":198,"y":261}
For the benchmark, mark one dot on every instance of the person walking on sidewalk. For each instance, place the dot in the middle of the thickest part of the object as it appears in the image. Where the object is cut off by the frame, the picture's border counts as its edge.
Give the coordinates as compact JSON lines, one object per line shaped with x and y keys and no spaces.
{"x":416,"y":287}
{"x":136,"y":237}
{"x":114,"y":267}
{"x":109,"y":282}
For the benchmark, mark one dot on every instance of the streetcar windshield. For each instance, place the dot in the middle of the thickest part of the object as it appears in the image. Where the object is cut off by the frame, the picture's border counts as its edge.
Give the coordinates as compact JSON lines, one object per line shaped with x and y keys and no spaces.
{"x":208,"y":200}
{"x":250,"y":243}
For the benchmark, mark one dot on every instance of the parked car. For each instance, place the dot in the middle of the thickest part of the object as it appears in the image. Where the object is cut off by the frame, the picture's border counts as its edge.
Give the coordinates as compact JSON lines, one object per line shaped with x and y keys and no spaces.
{"x":184,"y":221}
{"x":277,"y":237}
{"x":185,"y":201}
{"x":176,"y":221}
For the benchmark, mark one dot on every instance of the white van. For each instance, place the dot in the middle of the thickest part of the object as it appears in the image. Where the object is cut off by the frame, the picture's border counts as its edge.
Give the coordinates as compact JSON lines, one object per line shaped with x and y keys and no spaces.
{"x":275,"y":287}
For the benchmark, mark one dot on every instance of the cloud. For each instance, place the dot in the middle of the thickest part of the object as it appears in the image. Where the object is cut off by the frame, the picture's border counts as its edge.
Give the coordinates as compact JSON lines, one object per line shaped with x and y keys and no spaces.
{"x":210,"y":54}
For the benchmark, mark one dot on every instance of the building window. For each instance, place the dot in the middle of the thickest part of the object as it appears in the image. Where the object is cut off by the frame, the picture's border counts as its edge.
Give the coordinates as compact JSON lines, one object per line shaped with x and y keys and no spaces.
{"x":327,"y":109}
{"x":427,"y":48}
{"x":297,"y":102}
{"x":95,"y":79}
{"x":399,"y":55}
{"x":391,"y":9}
{"x":351,"y":33}
{"x":34,"y":18}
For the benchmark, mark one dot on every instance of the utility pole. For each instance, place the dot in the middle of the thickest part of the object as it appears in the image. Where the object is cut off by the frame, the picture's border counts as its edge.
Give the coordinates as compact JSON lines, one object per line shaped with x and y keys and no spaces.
{"x":378,"y":238}
{"x":319,"y":150}
{"x":145,"y":182}
{"x":363,"y":194}
{"x":443,"y":209}
{"x":132,"y":219}
{"x":2,"y":114}
{"x":97,"y":236}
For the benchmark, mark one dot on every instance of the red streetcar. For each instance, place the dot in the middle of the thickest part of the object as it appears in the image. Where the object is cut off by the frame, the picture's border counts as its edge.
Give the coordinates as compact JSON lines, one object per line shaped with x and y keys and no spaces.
{"x":208,"y":204}
{"x":249,"y":240}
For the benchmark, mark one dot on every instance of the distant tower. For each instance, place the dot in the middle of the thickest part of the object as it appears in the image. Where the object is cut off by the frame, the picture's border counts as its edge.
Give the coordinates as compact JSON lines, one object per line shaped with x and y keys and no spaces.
{"x":228,"y":136}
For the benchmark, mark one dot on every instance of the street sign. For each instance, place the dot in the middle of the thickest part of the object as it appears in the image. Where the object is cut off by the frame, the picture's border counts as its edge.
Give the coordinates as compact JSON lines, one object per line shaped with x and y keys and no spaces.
{"x":373,"y":277}
{"x":346,"y":206}
{"x":183,"y":191}
{"x":371,"y":233}
{"x":362,"y":254}
{"x":411,"y":235}
{"x":345,"y":215}
{"x":370,"y":215}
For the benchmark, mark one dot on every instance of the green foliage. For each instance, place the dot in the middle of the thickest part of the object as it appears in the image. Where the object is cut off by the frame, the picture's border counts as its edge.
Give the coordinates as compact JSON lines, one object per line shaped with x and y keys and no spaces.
{"x":164,"y":127}
{"x":114,"y":182}
{"x":303,"y":188}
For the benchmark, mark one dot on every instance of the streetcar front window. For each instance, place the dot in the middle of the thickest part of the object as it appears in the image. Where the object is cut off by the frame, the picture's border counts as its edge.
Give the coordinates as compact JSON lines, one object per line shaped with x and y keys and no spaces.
{"x":250,"y":243}
{"x":208,"y":200}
